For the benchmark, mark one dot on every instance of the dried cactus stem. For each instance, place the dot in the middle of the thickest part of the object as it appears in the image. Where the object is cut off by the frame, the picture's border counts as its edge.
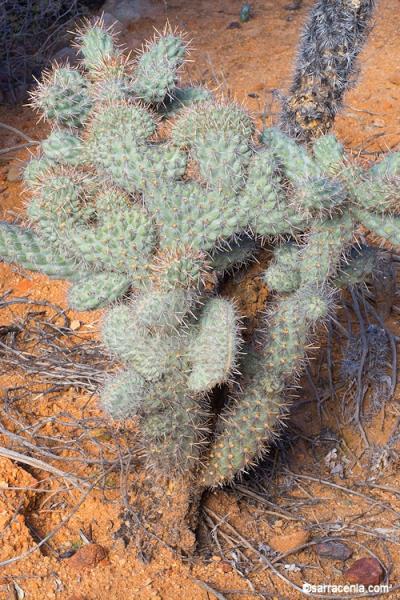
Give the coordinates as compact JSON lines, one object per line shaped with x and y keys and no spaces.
{"x":332,"y":39}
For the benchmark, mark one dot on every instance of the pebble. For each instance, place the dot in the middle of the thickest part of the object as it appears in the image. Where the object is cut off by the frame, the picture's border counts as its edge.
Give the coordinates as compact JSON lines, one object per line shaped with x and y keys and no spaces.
{"x":66,"y":56}
{"x":338,"y":470}
{"x":293,"y":5}
{"x":290,"y":541}
{"x":110,"y":21}
{"x":278,"y":524}
{"x":123,"y":10}
{"x":226,"y":567}
{"x":395,"y":77}
{"x":260,"y":86}
{"x":234,"y":25}
{"x":75,"y":325}
{"x":87,"y":557}
{"x":66,"y":553}
{"x":365,"y":571}
{"x":15,"y":170}
{"x":334,"y":550}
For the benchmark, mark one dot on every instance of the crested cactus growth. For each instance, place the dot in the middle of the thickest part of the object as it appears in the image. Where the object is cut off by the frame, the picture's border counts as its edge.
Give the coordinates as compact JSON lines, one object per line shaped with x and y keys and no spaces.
{"x":149,"y":191}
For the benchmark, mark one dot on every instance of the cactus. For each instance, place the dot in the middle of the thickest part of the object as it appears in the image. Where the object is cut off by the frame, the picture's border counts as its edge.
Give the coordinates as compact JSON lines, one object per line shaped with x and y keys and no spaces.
{"x":252,"y":420}
{"x":213,"y":365}
{"x":157,"y":67}
{"x":236,"y":254}
{"x":358,"y":267}
{"x":331,"y":41}
{"x":95,"y":290}
{"x":161,"y":356}
{"x":122,"y":395}
{"x":181,"y":97}
{"x":144,"y":195}
{"x":283,"y":275}
{"x":22,"y":246}
{"x":63,"y":96}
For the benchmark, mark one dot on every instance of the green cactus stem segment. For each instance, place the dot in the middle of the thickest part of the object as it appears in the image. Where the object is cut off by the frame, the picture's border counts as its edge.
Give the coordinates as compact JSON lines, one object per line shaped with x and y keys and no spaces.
{"x":213,"y":351}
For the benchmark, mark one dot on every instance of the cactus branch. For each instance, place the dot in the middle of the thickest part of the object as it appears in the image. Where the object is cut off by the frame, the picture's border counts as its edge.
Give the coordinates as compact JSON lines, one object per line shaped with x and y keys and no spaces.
{"x":332,"y":39}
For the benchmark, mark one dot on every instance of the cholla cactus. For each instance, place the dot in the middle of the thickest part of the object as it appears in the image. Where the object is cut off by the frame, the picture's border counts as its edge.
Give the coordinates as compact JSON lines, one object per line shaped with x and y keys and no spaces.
{"x":150,"y":189}
{"x":331,"y":41}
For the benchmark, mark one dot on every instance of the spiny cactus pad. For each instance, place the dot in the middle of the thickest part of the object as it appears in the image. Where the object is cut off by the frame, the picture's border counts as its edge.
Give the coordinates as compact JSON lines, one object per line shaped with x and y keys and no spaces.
{"x":150,"y":191}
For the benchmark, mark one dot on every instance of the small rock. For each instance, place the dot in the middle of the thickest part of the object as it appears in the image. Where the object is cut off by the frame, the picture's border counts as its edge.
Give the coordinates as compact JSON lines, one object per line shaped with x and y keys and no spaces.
{"x":111,"y":22}
{"x":366,"y":571}
{"x":290,"y":541}
{"x":87,"y":557}
{"x":260,"y":86}
{"x":75,"y":324}
{"x":124,"y":10}
{"x":15,"y":170}
{"x":131,"y":10}
{"x":234,"y":25}
{"x":292,"y":568}
{"x":338,"y":470}
{"x":335,"y":550}
{"x":293,"y":5}
{"x":66,"y":56}
{"x":66,"y":554}
{"x":226,"y":567}
{"x":216,"y":558}
{"x":395,"y":77}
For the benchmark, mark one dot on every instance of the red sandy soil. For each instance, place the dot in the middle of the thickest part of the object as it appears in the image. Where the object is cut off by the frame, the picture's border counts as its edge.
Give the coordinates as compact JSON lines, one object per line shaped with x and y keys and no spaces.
{"x":249,"y":63}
